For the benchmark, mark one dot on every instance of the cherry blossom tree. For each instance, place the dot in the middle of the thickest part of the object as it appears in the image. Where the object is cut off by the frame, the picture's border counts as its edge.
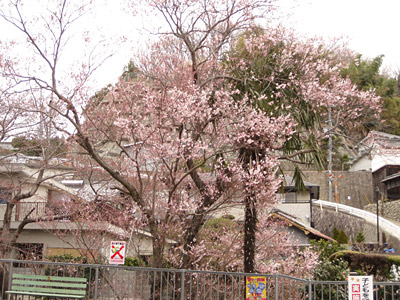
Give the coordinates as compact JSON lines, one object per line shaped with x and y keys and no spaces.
{"x":22,"y":175}
{"x":175,"y":125}
{"x":282,"y":74}
{"x":190,"y":133}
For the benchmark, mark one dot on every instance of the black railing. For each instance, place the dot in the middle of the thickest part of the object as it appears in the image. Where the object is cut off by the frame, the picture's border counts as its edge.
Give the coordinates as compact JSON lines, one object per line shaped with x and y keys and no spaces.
{"x":120,"y":282}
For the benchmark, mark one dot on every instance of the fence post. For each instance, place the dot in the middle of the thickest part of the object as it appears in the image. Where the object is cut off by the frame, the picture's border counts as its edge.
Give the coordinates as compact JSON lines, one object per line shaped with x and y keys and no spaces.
{"x":276,"y":287}
{"x":96,"y":279}
{"x":10,"y":274}
{"x":183,"y":285}
{"x":309,"y":290}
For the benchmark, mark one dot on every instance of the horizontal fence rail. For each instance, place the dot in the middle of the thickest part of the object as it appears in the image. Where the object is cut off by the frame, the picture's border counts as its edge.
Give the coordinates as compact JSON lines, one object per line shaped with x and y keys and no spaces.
{"x":385,"y":224}
{"x":119,"y":282}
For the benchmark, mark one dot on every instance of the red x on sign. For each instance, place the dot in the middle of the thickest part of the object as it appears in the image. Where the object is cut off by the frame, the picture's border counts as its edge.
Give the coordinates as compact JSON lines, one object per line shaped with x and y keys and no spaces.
{"x":117,"y":252}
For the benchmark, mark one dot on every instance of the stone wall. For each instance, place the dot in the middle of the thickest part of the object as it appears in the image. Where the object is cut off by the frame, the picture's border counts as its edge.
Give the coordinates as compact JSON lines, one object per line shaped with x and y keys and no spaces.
{"x":388,"y":210}
{"x":354,"y":188}
{"x":326,"y":219}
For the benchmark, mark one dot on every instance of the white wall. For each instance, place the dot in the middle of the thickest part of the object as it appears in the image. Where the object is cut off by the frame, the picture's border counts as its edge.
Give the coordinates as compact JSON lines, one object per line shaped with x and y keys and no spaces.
{"x":301,"y":211}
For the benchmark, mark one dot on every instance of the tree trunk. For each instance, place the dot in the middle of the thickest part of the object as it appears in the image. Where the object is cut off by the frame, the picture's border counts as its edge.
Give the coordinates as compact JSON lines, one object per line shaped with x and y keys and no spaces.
{"x":248,"y":157}
{"x":158,"y":244}
{"x":5,"y":248}
{"x":250,"y":228}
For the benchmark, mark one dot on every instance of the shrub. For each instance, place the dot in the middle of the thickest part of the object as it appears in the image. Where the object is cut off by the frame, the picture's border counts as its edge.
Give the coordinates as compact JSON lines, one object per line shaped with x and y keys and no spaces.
{"x":335,"y":233}
{"x":342,"y":238}
{"x":134,"y":262}
{"x":360,"y":237}
{"x":326,"y":248}
{"x":68,"y":258}
{"x":375,"y":264}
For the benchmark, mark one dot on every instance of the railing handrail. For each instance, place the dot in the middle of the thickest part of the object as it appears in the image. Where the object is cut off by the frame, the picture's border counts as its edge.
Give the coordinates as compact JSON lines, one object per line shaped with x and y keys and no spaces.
{"x":366,"y":215}
{"x":150,"y":269}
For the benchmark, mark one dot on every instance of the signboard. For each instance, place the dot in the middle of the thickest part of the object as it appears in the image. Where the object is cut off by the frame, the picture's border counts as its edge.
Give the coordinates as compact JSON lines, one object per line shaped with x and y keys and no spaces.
{"x":256,"y":288}
{"x":361,"y":288}
{"x":117,"y":252}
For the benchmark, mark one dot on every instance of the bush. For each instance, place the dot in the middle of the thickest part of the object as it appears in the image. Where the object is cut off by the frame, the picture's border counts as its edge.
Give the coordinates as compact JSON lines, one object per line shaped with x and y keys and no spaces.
{"x":337,"y":270}
{"x":360,"y":238}
{"x":375,"y":264}
{"x":134,"y":262}
{"x":342,"y":238}
{"x":335,"y":233}
{"x":68,"y":258}
{"x":326,"y":248}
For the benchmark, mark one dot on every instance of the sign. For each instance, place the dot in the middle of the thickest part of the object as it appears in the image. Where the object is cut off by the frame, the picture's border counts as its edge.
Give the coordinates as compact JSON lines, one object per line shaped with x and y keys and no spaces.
{"x":256,"y":288}
{"x":361,"y":288}
{"x":117,"y":252}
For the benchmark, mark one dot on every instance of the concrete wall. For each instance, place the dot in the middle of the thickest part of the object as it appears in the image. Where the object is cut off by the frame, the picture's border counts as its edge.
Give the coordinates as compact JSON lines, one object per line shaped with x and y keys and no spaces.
{"x":48,"y":240}
{"x":363,"y":163}
{"x":300,"y":210}
{"x":298,"y":237}
{"x":69,"y":243}
{"x":354,"y":188}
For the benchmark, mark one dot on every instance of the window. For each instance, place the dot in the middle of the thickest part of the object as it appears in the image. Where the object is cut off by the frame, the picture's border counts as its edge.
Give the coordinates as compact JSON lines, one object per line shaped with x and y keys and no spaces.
{"x":290,"y":197}
{"x":58,"y":203}
{"x":29,"y":251}
{"x":5,"y":195}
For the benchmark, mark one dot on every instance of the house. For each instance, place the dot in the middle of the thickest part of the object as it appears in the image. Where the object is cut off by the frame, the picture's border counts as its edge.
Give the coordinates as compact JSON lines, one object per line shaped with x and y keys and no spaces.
{"x":300,"y":232}
{"x":379,"y":153}
{"x":55,"y":196}
{"x":297,"y":202}
{"x":289,"y":200}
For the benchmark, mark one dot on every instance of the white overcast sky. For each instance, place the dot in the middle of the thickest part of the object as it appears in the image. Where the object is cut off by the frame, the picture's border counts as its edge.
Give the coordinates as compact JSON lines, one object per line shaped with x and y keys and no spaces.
{"x":370,"y":26}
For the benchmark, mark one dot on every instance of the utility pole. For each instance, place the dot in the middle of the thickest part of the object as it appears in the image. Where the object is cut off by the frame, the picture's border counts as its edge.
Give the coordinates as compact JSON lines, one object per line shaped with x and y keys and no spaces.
{"x":330,"y":176}
{"x":377,"y":214}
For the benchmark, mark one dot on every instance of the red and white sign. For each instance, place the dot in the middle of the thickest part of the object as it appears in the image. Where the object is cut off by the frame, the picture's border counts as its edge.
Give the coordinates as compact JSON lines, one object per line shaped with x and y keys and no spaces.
{"x":361,"y":288}
{"x":117,"y":252}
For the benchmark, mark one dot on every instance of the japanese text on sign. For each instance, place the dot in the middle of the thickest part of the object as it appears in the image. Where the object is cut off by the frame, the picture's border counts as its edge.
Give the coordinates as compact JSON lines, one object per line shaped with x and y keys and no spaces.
{"x":256,"y":288}
{"x":361,"y":288}
{"x":117,"y":252}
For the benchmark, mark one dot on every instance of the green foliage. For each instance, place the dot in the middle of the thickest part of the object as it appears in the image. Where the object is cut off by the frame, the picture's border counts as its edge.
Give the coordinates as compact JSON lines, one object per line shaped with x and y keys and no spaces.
{"x":130,"y":71}
{"x":335,"y":233}
{"x":229,"y":217}
{"x":342,"y":238}
{"x":35,"y":147}
{"x":360,"y":237}
{"x":391,"y":113}
{"x":218,"y":224}
{"x":329,"y":269}
{"x":68,"y":258}
{"x":26,"y":146}
{"x":344,"y":161}
{"x":337,"y":270}
{"x":134,"y":262}
{"x":375,"y":264}
{"x":326,"y":248}
{"x":260,"y":65}
{"x":366,"y":75}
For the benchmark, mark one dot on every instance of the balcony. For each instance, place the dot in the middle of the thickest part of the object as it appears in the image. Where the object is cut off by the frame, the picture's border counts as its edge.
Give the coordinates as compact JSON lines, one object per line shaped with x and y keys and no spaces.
{"x":36,"y":210}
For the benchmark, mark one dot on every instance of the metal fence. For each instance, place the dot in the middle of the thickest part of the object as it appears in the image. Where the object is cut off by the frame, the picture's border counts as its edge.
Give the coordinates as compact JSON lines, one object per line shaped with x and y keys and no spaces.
{"x":119,"y":282}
